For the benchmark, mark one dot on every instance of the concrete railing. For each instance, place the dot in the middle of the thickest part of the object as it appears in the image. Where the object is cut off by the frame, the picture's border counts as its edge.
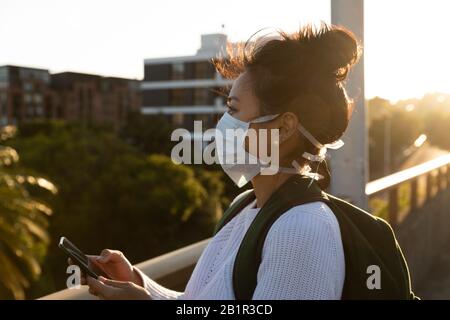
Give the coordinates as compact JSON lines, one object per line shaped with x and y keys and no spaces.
{"x":174,"y":268}
{"x":430,"y":177}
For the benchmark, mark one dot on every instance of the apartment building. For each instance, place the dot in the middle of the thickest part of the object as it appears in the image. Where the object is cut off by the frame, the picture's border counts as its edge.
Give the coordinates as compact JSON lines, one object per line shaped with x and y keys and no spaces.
{"x":186,"y":88}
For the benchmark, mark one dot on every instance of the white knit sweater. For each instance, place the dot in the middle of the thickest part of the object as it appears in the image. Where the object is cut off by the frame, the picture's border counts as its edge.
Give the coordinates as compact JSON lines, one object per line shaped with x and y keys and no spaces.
{"x":302,"y":258}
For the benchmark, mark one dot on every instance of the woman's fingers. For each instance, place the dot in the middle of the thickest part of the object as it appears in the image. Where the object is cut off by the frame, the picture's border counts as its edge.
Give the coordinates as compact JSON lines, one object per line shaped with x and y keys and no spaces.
{"x":108,"y":255}
{"x":100,"y":289}
{"x":116,"y":290}
{"x":93,"y":261}
{"x":115,"y":283}
{"x":98,"y":267}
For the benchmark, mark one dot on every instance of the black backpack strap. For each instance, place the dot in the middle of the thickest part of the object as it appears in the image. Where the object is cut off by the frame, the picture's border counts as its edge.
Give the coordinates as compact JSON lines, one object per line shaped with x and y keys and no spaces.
{"x":241,"y":201}
{"x":248,"y":258}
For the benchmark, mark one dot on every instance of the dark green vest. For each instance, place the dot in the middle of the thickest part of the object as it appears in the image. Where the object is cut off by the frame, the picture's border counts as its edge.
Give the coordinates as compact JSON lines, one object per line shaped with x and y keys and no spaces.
{"x":367,"y":241}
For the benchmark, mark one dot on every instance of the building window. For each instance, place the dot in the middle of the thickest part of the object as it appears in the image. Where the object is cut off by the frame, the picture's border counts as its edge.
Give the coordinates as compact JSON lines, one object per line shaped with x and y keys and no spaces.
{"x":178,"y":71}
{"x":4,"y":72}
{"x":39,"y":111}
{"x":105,"y":86}
{"x":177,"y":98}
{"x":16,"y":105}
{"x":157,"y":72}
{"x":160,"y":97}
{"x":28,"y":86}
{"x":201,"y":96}
{"x":29,"y":110}
{"x":37,"y":98}
{"x":27,"y":98}
{"x":201,"y":117}
{"x":177,"y":119}
{"x":204,"y":70}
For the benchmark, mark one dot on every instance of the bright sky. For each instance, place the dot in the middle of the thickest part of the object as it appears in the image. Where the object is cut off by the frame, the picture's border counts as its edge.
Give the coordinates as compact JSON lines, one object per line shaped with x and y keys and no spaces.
{"x":406,"y":49}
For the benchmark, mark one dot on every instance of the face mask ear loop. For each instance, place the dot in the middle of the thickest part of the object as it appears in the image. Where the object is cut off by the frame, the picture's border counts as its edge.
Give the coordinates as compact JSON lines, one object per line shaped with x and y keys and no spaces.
{"x":315,"y":174}
{"x":263,"y":119}
{"x":326,"y":167}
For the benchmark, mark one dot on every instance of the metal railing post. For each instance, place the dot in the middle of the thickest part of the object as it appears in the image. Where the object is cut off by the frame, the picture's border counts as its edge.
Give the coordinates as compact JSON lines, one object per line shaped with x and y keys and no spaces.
{"x":429,"y":186}
{"x":414,"y":199}
{"x":393,"y":206}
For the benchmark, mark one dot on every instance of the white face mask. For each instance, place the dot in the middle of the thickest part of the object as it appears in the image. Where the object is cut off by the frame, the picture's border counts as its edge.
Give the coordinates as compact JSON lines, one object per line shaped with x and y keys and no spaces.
{"x":237,"y":163}
{"x":242,"y":166}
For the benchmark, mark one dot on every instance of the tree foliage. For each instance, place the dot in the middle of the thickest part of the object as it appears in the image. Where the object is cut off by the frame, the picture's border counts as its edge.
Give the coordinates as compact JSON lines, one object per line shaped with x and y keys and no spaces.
{"x":23,"y":223}
{"x":113,"y":195}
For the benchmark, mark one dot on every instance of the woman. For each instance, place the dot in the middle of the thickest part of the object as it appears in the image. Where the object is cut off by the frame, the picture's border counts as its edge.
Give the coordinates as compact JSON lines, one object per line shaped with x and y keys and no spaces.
{"x":293,"y":83}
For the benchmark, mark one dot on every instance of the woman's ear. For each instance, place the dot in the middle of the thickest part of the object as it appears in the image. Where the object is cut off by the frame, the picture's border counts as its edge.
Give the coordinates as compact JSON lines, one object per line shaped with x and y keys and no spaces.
{"x":288,"y":124}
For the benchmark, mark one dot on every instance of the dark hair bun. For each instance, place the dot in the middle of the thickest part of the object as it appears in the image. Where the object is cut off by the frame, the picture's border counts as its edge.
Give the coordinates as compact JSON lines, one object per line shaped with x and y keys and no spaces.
{"x":340,"y":50}
{"x":330,"y":48}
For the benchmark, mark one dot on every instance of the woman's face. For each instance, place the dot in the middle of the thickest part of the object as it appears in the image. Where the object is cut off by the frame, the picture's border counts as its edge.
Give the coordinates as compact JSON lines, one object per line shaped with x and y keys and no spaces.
{"x":245,"y":106}
{"x":241,"y":102}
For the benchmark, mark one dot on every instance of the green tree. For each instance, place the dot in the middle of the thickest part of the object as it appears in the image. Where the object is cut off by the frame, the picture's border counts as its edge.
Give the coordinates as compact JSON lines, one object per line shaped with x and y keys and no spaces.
{"x":437,"y":126}
{"x":113,"y":195}
{"x":23,"y":224}
{"x":150,"y":134}
{"x":405,"y":128}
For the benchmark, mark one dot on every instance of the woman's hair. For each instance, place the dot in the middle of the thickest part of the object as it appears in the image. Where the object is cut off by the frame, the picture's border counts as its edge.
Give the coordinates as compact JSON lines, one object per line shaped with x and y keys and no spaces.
{"x":301,"y":72}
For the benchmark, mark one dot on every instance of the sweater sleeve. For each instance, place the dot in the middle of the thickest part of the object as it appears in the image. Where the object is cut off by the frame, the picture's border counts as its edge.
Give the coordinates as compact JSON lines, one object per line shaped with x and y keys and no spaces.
{"x":303,"y":256}
{"x":157,"y":291}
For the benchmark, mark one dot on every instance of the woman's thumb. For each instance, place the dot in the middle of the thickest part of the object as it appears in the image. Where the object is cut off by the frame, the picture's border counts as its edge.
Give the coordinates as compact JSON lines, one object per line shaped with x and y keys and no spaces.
{"x":104,"y":256}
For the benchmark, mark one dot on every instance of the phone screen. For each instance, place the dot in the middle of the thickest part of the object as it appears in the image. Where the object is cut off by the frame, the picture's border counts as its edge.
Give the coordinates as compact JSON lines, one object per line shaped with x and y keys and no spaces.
{"x":79,"y":258}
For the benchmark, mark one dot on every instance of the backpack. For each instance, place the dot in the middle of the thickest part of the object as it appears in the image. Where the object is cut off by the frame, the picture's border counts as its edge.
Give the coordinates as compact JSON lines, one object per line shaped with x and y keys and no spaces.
{"x":367,"y":241}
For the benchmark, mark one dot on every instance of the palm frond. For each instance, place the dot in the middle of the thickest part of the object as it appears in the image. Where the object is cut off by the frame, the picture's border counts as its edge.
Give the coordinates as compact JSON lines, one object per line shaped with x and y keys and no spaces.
{"x":23,"y":222}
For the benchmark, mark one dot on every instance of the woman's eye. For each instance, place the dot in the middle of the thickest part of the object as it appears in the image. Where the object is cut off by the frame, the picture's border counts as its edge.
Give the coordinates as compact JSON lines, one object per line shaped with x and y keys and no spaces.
{"x":230,"y":109}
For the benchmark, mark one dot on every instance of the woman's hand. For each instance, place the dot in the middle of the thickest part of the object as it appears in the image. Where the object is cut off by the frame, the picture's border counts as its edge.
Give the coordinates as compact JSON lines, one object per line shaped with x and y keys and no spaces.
{"x":114,"y":264}
{"x":116,"y":290}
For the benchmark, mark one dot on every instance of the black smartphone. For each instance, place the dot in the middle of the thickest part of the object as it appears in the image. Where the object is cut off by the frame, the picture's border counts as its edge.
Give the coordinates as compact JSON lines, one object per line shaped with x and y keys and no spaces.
{"x":80,"y":259}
